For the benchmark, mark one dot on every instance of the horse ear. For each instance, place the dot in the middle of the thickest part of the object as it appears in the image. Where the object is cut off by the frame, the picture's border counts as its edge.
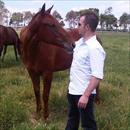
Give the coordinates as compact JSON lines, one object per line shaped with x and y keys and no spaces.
{"x":49,"y":10}
{"x":43,"y":8}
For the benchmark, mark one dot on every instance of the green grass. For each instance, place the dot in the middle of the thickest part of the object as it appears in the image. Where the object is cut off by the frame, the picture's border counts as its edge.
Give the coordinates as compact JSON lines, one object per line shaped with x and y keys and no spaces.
{"x":17,"y":101}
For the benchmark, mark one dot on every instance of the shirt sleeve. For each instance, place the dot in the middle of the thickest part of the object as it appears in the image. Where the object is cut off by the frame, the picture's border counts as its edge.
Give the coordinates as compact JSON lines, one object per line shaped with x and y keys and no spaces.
{"x":97,"y":57}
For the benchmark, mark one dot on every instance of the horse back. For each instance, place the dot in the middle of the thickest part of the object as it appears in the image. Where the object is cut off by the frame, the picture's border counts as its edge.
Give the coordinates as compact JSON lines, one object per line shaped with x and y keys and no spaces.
{"x":12,"y":35}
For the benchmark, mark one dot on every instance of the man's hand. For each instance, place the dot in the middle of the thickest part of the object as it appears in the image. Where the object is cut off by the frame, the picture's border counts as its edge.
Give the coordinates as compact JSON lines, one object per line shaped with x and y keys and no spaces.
{"x":83,"y":101}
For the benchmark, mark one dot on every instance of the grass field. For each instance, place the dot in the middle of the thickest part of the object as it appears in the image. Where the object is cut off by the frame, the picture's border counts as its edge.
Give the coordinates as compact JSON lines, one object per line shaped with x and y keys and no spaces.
{"x":17,"y":101}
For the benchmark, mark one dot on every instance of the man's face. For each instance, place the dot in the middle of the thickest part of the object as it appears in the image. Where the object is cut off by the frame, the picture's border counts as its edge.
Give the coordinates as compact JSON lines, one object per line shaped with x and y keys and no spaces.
{"x":81,"y":26}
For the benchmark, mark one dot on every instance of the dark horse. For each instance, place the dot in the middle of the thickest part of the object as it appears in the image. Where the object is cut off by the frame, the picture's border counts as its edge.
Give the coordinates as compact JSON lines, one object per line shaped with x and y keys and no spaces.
{"x":8,"y":36}
{"x":40,"y":57}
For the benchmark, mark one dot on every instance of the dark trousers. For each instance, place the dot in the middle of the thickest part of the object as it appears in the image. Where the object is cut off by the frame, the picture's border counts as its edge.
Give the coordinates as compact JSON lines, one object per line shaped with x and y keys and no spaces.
{"x":75,"y":114}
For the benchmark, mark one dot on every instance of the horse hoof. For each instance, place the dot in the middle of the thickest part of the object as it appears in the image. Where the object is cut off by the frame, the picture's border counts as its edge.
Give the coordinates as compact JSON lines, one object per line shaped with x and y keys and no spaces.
{"x":34,"y":117}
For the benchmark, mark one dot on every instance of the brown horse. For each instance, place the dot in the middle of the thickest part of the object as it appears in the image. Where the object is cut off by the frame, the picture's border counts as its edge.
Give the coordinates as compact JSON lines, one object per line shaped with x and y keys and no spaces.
{"x":8,"y":36}
{"x":40,"y":57}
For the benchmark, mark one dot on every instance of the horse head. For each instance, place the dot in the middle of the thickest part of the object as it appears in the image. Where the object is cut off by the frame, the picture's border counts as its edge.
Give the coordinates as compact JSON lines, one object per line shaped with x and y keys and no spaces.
{"x":45,"y":28}
{"x":74,"y":33}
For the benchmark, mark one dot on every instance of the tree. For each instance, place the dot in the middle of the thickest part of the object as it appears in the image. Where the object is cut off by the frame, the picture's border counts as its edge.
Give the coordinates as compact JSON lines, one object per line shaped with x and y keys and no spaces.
{"x":108,"y":11}
{"x":108,"y":19}
{"x":71,"y":18}
{"x":17,"y":17}
{"x":102,"y":20}
{"x":27,"y":16}
{"x":58,"y":17}
{"x":124,"y":20}
{"x":3,"y":11}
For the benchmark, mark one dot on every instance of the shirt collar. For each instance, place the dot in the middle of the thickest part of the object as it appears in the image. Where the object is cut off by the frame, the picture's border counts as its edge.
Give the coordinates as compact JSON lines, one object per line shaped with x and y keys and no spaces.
{"x":90,"y":39}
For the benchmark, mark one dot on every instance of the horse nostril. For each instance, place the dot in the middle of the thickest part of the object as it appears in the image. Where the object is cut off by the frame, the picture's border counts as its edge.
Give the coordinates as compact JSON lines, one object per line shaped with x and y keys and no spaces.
{"x":73,"y":45}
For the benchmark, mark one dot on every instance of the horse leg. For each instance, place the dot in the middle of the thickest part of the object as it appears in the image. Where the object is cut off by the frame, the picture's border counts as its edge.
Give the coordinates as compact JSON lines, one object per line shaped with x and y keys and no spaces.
{"x":36,"y":86}
{"x":19,"y":47}
{"x":15,"y":51}
{"x":4,"y":52}
{"x":97,"y":99}
{"x":1,"y":49}
{"x":47,"y":79}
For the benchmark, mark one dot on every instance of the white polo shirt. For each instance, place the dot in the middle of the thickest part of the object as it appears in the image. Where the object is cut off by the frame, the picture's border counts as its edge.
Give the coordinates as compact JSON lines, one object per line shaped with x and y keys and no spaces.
{"x":88,"y":60}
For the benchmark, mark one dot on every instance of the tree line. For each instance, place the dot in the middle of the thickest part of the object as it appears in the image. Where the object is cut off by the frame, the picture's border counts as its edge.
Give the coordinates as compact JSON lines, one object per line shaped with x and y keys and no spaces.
{"x":107,"y":20}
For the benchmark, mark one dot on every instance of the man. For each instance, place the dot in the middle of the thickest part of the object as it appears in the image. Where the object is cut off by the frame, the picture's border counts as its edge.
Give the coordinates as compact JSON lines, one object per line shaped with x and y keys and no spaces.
{"x":85,"y":74}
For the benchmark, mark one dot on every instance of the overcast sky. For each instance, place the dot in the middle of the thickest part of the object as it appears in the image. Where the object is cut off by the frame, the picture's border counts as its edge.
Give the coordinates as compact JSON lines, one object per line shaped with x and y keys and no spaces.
{"x":64,"y":6}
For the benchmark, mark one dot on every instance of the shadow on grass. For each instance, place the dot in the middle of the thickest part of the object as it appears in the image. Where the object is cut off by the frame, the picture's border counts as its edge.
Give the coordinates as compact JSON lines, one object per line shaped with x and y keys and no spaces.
{"x":8,"y":63}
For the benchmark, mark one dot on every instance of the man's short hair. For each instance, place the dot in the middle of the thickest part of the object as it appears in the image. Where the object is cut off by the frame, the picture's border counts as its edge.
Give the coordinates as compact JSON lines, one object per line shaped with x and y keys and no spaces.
{"x":92,"y":19}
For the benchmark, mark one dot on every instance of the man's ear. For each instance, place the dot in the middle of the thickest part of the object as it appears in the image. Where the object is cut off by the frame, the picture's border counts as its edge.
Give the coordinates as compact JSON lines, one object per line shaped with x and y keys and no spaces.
{"x":87,"y":27}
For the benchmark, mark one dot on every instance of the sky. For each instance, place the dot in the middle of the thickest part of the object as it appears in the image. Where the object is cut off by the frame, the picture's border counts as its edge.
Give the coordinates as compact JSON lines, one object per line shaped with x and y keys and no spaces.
{"x":64,"y":6}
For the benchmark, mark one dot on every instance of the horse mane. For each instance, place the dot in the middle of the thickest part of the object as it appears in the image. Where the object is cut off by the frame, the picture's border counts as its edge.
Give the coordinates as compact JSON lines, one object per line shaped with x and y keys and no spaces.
{"x":32,"y":51}
{"x":29,"y":45}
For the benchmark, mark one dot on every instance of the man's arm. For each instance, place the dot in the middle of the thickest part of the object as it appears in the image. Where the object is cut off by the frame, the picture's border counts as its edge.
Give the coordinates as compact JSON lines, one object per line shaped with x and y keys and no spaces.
{"x":97,"y":57}
{"x":84,"y":98}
